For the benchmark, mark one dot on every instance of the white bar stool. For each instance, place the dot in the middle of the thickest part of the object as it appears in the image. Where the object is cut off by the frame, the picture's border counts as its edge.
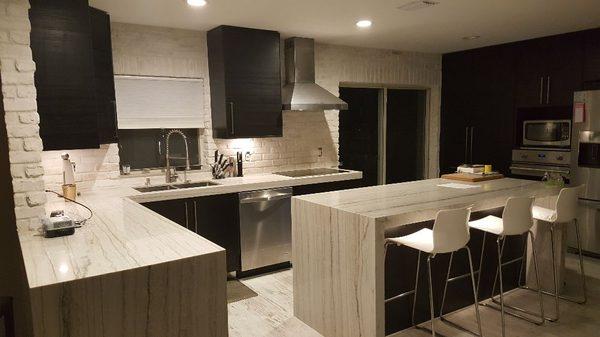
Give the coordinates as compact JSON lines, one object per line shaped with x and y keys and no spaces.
{"x":564,"y":213}
{"x":450,"y":233}
{"x":516,"y":220}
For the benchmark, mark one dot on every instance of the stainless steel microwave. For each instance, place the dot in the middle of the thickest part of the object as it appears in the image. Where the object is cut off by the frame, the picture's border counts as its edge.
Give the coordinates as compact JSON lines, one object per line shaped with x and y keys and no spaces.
{"x":547,"y":133}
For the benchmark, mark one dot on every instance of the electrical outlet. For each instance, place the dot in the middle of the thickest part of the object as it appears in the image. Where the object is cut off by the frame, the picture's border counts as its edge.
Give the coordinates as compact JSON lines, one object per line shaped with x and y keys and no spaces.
{"x":248,"y":156}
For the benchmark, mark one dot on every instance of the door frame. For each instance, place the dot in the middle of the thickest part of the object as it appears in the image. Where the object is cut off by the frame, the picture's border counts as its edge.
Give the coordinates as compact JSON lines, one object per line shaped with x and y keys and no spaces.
{"x":382,"y":117}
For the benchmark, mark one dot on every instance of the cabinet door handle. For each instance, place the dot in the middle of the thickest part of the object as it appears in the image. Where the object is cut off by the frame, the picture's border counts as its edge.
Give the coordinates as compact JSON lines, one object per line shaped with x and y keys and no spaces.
{"x":466,"y":145}
{"x":232,"y":119}
{"x":114,"y":108}
{"x":471,"y":145}
{"x":195,"y":218}
{"x":542,"y":90}
{"x":186,"y":214}
{"x":548,"y":90}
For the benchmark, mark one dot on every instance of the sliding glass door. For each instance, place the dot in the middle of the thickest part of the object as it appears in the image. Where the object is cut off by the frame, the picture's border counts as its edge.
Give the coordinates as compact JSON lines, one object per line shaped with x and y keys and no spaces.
{"x":383,"y":133}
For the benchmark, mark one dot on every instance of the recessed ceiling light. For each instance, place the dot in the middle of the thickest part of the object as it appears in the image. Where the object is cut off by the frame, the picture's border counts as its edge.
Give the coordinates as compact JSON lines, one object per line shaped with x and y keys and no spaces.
{"x":472,"y":37}
{"x":364,"y":23}
{"x":196,"y":3}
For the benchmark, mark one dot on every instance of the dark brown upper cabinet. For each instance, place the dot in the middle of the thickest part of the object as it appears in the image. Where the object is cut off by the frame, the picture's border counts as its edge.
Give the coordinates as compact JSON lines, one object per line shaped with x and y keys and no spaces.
{"x":591,"y":62}
{"x":245,"y":82}
{"x":104,"y":79}
{"x":549,"y":70}
{"x":71,"y":48}
{"x":477,"y":107}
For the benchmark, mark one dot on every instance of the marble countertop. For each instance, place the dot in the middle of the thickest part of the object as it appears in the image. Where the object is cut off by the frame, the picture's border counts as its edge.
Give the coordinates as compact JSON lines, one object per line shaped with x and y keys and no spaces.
{"x":123,"y":235}
{"x":425,"y":196}
{"x":234,"y":185}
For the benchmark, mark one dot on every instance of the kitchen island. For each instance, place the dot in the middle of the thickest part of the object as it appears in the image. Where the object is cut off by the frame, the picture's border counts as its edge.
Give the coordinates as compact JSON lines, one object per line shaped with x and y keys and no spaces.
{"x":338,"y":244}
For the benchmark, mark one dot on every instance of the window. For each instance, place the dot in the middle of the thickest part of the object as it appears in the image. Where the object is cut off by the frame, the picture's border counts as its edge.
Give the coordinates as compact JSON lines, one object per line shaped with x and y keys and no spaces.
{"x":146,"y":148}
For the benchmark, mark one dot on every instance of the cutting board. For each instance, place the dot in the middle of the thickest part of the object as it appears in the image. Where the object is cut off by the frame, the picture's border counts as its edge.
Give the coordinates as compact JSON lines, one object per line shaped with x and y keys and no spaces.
{"x":472,"y":177}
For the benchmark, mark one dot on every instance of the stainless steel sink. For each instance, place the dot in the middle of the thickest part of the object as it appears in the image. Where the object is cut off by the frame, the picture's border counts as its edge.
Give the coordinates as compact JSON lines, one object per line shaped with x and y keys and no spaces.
{"x":156,"y":188}
{"x":196,"y":184}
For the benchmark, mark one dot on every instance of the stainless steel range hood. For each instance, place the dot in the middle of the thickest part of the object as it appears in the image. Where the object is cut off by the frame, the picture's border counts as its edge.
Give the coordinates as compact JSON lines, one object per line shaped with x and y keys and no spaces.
{"x":300,"y":91}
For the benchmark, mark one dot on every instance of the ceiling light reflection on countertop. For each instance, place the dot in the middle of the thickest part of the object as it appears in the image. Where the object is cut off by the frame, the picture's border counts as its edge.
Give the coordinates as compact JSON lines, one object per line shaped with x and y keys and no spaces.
{"x":196,"y":3}
{"x":63,"y":268}
{"x":472,"y":37}
{"x":363,"y":23}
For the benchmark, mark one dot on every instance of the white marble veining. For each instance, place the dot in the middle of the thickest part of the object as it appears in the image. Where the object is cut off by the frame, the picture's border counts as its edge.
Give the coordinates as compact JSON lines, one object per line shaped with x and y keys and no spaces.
{"x":131,"y":272}
{"x":423,"y":195}
{"x":238,"y":184}
{"x":338,"y":245}
{"x":124,"y":235}
{"x":121,"y":235}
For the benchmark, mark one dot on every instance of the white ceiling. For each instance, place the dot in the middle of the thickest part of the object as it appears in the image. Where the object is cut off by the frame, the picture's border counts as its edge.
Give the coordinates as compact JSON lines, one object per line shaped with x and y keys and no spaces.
{"x":435,"y":29}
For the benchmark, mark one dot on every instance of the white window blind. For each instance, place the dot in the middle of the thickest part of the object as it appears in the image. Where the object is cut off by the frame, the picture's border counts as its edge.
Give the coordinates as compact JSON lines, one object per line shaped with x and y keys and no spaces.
{"x":159,"y":102}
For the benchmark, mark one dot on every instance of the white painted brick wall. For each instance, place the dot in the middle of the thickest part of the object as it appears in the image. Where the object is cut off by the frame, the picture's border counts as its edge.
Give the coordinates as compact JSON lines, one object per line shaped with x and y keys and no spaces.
{"x":93,"y":167}
{"x":335,"y":65}
{"x":25,"y":145}
{"x":303,"y":134}
{"x":145,"y":50}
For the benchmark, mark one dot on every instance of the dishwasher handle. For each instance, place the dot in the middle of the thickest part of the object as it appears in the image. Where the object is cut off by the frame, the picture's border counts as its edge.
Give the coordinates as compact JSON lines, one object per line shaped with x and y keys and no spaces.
{"x":263,"y":198}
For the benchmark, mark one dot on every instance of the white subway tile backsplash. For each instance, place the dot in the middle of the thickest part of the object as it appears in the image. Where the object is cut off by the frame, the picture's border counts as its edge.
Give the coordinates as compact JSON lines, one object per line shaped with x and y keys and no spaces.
{"x":91,"y":166}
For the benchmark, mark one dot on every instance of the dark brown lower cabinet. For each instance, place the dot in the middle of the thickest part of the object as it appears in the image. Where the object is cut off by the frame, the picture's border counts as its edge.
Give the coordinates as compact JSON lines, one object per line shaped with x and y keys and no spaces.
{"x":327,"y":187}
{"x":7,"y":328}
{"x":214,"y":217}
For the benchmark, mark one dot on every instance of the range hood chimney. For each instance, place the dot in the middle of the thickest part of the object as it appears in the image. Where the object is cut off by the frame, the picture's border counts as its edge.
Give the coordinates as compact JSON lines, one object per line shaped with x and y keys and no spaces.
{"x":300,"y":91}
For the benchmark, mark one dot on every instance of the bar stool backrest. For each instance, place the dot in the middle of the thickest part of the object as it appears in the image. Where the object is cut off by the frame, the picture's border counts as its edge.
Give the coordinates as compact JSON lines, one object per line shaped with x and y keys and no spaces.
{"x":451,"y":230}
{"x":566,"y":204}
{"x":516,"y":217}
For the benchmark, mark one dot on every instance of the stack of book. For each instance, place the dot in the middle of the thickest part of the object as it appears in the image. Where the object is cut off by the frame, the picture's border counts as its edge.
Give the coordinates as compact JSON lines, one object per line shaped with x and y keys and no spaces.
{"x":478,"y":169}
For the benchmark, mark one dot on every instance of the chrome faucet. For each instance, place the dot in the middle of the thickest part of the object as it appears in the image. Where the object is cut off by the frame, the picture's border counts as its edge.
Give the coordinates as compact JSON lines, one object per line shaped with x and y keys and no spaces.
{"x":170,"y":178}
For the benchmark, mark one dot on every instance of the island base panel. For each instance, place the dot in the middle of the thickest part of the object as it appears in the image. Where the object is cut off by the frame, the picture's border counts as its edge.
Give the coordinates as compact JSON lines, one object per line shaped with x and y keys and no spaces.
{"x":180,"y":298}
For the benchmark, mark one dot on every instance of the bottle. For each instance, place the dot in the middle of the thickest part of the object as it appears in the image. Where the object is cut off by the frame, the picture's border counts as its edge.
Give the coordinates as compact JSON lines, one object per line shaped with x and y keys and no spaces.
{"x":69,"y":188}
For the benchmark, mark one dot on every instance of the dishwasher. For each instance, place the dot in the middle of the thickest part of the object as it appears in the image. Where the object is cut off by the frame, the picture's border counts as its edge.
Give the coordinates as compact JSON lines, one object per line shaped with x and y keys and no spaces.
{"x":265,"y":227}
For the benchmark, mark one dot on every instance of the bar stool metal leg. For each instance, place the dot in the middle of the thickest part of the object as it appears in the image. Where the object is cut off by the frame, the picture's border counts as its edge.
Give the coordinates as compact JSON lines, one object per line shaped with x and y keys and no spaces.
{"x":554,"y":276}
{"x":522,"y":259}
{"x":480,"y":263}
{"x":431,"y":308}
{"x":474,"y":288}
{"x":501,"y":283}
{"x":446,"y":285}
{"x":475,"y":299}
{"x":537,"y":275}
{"x":556,"y":293}
{"x":581,"y":269}
{"x":412,"y":316}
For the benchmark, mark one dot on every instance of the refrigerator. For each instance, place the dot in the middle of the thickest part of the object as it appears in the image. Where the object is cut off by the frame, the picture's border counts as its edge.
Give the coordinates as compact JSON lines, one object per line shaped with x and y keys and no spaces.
{"x":585,"y":157}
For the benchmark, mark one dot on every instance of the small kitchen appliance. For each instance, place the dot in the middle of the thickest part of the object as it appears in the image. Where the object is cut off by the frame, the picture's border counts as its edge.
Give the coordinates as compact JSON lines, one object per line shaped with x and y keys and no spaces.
{"x":555,"y":133}
{"x":536,"y":163}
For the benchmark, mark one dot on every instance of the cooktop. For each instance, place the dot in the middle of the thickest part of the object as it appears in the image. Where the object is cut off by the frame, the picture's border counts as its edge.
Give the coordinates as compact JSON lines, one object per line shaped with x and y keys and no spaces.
{"x":310,"y":172}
